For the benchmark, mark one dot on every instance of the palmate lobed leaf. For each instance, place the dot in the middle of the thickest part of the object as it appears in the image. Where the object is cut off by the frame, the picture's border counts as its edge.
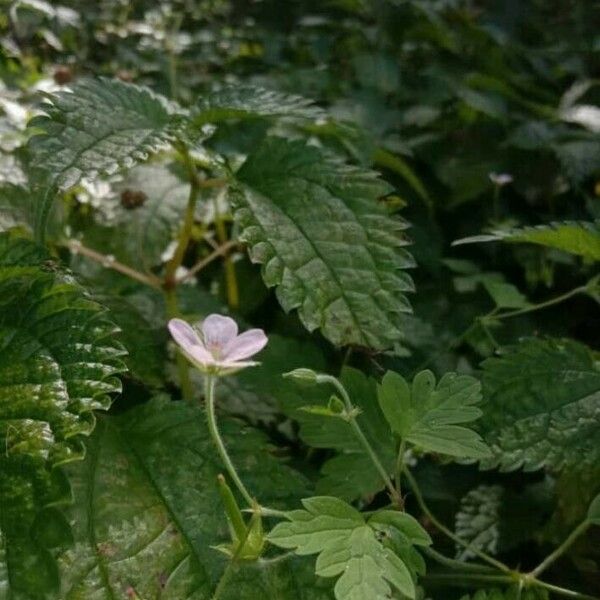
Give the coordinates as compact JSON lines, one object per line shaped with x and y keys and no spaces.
{"x":58,"y":362}
{"x":430,"y":416}
{"x":330,"y":250}
{"x":542,"y":402}
{"x":576,"y":237}
{"x":348,"y":547}
{"x":148,"y":511}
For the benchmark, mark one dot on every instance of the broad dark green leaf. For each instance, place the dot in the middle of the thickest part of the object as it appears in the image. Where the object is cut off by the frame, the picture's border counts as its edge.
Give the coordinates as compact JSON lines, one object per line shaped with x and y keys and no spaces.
{"x":324,"y":242}
{"x":58,"y":362}
{"x":576,"y":237}
{"x":542,"y":406}
{"x":148,"y":511}
{"x":98,"y":127}
{"x":240,"y":102}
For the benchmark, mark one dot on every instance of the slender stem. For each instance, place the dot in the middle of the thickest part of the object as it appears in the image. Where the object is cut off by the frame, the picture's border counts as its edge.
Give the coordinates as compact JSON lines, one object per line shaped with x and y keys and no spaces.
{"x":485,"y":557}
{"x":183,"y":368}
{"x":557,"y":300}
{"x":400,"y":466}
{"x":188,"y":222}
{"x":563,"y":591}
{"x":109,"y":262}
{"x":456,"y":564}
{"x":465,"y":579}
{"x":209,"y":396}
{"x":233,"y":295}
{"x":362,"y":438}
{"x":201,"y":264}
{"x":579,"y":530}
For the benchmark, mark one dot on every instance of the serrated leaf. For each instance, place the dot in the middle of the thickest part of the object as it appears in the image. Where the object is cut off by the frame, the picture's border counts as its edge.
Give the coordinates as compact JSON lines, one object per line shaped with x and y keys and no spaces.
{"x":240,"y":102}
{"x":576,"y":237}
{"x":542,"y":402}
{"x":428,"y":416}
{"x":58,"y":361}
{"x":324,"y":243}
{"x":142,"y":526}
{"x":349,"y":548}
{"x":477,"y":520}
{"x":98,"y":127}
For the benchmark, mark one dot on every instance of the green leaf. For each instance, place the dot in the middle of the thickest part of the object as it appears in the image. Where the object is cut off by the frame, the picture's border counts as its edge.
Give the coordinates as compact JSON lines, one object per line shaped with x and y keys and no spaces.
{"x":593,"y":514}
{"x":332,"y":252}
{"x":349,"y":548}
{"x":58,"y":361}
{"x":99,"y":127}
{"x":429,"y":416}
{"x":142,"y":525}
{"x":576,"y":237}
{"x":242,"y":102}
{"x":542,"y":406}
{"x":477,"y":520}
{"x":505,"y":295}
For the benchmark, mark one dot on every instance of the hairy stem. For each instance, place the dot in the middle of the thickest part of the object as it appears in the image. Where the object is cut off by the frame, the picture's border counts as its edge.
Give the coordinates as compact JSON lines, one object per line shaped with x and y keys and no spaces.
{"x":76,"y":247}
{"x":457,"y":564}
{"x":557,"y":300}
{"x":400,"y":466}
{"x":358,"y":432}
{"x":419,"y":497}
{"x":579,"y":530}
{"x":209,"y":396}
{"x":201,"y":264}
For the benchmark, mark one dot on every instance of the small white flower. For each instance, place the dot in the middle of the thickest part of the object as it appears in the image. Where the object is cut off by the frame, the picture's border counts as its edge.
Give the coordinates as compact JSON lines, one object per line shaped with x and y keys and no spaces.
{"x":214,"y":346}
{"x":501,"y":179}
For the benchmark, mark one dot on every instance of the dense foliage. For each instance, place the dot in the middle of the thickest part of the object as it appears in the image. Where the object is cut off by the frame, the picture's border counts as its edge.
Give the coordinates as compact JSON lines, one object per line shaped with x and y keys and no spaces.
{"x":404,"y":195}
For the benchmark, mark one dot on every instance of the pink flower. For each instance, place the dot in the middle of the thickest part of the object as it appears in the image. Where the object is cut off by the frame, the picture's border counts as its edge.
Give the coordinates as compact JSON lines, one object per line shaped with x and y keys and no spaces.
{"x":214,"y":346}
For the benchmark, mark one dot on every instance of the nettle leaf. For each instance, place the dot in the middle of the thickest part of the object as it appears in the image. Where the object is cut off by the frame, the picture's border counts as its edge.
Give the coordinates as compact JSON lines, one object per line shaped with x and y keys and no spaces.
{"x":477,"y":520}
{"x":576,"y":237}
{"x":148,"y":511}
{"x":242,"y":102}
{"x":350,"y":547}
{"x":350,"y":473}
{"x":58,"y":363}
{"x":429,"y":416}
{"x":542,"y":406}
{"x":331,"y":251}
{"x":98,"y":127}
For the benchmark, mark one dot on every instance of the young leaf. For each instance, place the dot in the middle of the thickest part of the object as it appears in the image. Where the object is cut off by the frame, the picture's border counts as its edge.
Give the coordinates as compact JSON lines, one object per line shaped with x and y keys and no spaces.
{"x":148,"y":511}
{"x":429,"y":416}
{"x":331,"y":251}
{"x":576,"y":237}
{"x":349,"y":548}
{"x":58,"y":361}
{"x":242,"y":102}
{"x":98,"y":127}
{"x":542,"y":406}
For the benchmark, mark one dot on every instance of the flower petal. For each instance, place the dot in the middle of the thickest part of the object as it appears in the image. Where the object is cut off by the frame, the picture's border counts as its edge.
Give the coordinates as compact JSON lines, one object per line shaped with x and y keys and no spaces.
{"x":184,"y":334}
{"x":218,"y":331}
{"x":245,"y":345}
